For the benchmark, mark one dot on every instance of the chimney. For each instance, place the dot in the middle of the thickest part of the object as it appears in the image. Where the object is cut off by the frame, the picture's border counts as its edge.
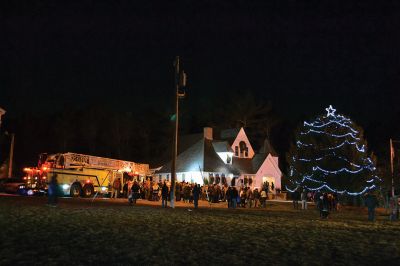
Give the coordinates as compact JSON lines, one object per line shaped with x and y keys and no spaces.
{"x":208,"y":133}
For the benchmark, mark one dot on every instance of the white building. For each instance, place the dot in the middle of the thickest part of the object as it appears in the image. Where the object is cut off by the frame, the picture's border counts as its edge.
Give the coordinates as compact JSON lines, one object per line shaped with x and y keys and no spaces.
{"x":230,"y":160}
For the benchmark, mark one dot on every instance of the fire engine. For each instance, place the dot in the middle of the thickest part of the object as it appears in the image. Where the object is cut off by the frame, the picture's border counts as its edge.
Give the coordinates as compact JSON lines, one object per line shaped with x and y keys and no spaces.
{"x":84,"y":175}
{"x":34,"y":177}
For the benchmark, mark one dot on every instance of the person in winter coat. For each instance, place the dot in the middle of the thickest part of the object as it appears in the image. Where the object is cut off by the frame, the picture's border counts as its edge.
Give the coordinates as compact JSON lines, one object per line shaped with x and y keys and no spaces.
{"x":228,"y":197}
{"x":324,"y":203}
{"x":264,"y":198}
{"x":164,"y":195}
{"x":371,"y":202}
{"x":250,"y":197}
{"x":234,"y":196}
{"x":256,"y":196}
{"x":296,"y":197}
{"x":135,"y":190}
{"x":52,"y":191}
{"x":304,"y":200}
{"x":196,"y":194}
{"x":116,"y":188}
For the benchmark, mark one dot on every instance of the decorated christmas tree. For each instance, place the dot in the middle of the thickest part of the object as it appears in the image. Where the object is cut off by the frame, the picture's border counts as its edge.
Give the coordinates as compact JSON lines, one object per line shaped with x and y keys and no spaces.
{"x":330,"y":155}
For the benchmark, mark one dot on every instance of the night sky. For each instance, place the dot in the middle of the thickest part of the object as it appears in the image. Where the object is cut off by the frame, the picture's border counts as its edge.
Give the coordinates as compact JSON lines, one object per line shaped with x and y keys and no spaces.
{"x":300,"y":55}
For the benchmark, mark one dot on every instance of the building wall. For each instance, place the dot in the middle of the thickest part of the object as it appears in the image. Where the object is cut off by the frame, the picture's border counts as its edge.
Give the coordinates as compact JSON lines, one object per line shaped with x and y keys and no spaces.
{"x":193,"y":177}
{"x":243,"y":137}
{"x":269,"y":169}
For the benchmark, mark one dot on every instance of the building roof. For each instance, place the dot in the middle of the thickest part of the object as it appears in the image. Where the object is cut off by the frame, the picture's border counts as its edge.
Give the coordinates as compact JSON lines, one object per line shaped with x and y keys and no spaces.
{"x":258,"y":160}
{"x":267,"y":148}
{"x":212,"y":162}
{"x":199,"y":157}
{"x":243,"y":165}
{"x":186,"y":141}
{"x":221,"y":146}
{"x":197,"y":153}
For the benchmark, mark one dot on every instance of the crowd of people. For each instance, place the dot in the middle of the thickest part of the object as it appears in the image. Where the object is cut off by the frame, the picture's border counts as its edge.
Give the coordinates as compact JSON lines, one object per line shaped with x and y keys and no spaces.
{"x":244,"y":197}
{"x":324,"y":202}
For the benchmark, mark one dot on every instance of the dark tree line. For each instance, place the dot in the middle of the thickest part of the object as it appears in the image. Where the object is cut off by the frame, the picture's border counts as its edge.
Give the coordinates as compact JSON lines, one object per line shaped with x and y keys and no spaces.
{"x":128,"y":135}
{"x":145,"y":134}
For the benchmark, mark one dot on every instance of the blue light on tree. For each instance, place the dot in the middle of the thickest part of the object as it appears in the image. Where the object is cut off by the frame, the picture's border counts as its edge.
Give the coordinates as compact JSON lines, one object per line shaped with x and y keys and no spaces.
{"x":330,"y":155}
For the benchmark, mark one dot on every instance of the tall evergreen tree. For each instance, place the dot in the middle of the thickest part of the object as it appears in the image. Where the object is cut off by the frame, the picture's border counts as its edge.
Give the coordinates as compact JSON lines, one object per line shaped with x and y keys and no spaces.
{"x":330,"y":154}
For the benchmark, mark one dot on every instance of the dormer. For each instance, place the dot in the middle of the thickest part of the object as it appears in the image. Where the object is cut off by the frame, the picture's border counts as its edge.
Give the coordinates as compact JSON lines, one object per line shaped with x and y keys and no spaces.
{"x":223,"y":150}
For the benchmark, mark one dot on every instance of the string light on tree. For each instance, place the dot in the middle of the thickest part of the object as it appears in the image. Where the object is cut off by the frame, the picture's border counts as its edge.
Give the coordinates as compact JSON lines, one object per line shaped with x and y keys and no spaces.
{"x":330,"y":155}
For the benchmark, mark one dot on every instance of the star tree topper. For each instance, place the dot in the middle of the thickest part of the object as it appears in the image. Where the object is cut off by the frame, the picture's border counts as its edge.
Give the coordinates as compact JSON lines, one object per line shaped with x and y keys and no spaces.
{"x":331,"y":111}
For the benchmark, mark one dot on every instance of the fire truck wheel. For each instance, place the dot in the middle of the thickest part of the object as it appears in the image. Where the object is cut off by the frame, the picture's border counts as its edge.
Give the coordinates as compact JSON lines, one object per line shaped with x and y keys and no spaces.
{"x":87,"y":191}
{"x":75,"y":190}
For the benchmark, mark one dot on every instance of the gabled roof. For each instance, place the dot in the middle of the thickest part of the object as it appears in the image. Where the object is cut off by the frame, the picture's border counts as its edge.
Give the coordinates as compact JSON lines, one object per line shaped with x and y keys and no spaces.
{"x":186,"y":141}
{"x":200,"y":157}
{"x":243,"y":165}
{"x":221,"y":146}
{"x":197,"y":153}
{"x":267,"y":148}
{"x":258,"y":160}
{"x":212,"y":162}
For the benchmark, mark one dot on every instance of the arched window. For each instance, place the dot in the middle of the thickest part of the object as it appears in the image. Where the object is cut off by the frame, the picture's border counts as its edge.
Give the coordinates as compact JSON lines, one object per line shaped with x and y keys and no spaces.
{"x":243,"y":148}
{"x":217,"y":179}
{"x":223,"y":179}
{"x":211,"y":178}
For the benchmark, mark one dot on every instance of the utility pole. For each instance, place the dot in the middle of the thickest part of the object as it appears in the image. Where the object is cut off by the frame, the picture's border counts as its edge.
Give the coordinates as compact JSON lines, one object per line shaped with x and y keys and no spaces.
{"x":392,"y":155}
{"x":180,"y":82}
{"x":10,"y":164}
{"x":2,"y":112}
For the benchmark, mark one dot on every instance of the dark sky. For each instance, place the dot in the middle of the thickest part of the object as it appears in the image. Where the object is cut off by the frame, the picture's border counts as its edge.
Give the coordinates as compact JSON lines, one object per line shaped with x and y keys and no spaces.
{"x":301,"y":55}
